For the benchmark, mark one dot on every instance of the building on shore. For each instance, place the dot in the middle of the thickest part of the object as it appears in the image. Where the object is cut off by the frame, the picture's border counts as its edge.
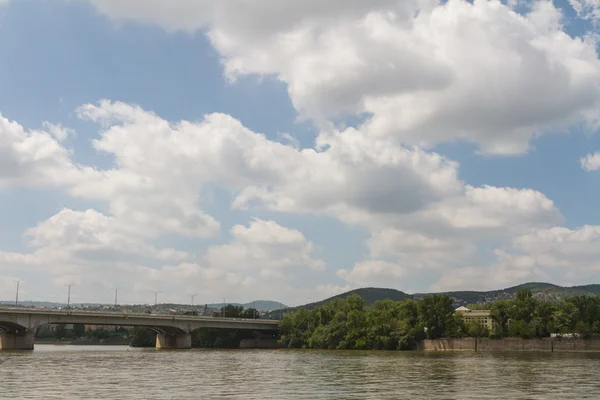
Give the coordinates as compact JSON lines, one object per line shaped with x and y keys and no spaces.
{"x":481,"y":317}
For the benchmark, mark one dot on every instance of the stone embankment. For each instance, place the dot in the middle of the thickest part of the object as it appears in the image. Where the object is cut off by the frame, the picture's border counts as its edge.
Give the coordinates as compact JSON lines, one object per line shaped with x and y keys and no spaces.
{"x":513,"y":344}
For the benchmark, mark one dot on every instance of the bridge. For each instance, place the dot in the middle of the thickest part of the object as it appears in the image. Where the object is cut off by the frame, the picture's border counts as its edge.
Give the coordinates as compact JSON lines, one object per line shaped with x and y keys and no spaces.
{"x":17,"y":326}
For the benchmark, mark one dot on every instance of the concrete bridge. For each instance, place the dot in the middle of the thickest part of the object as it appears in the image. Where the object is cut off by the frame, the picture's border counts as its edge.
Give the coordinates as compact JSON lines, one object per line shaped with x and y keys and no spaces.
{"x":17,"y":326}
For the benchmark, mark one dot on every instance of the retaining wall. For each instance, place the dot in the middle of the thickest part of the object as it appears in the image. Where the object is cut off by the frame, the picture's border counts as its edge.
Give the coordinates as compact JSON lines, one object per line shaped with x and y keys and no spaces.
{"x":513,"y":344}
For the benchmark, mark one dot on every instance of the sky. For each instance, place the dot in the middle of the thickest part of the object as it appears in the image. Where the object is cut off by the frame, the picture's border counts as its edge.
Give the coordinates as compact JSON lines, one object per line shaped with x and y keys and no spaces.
{"x":291,"y":151}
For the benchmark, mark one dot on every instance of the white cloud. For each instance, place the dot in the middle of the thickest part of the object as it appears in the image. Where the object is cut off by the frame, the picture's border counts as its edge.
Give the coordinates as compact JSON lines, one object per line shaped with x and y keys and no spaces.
{"x":264,"y":247}
{"x":587,"y":9}
{"x":376,"y":273}
{"x":156,"y":158}
{"x":176,"y":15}
{"x":419,"y":213}
{"x":92,"y":235}
{"x":556,"y":254}
{"x":474,"y":71}
{"x":97,"y":254}
{"x":591,"y":162}
{"x":58,"y":132}
{"x":33,"y":158}
{"x":374,"y":176}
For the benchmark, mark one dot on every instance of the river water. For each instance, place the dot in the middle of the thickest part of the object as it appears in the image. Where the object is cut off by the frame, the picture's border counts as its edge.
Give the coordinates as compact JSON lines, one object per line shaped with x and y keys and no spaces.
{"x":102,"y":372}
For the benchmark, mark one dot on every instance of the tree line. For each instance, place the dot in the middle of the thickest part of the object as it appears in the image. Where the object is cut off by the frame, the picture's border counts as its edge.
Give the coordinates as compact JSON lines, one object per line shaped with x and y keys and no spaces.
{"x":400,"y":325}
{"x":77,"y":331}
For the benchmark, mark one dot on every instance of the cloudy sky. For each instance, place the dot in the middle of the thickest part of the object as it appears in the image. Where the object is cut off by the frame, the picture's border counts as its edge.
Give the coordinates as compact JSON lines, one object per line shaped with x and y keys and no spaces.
{"x":292,"y":150}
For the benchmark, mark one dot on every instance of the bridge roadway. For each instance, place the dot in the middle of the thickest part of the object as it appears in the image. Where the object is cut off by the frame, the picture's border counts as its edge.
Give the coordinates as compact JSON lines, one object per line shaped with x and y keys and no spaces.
{"x":17,"y":326}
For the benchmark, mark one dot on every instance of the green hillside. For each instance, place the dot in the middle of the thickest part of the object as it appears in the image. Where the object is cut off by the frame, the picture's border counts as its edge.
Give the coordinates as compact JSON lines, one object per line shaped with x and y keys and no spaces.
{"x":370,"y":295}
{"x":540,"y":290}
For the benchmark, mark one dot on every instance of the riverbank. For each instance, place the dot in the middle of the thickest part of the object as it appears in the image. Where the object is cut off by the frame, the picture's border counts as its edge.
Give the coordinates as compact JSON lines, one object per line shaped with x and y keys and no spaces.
{"x":513,"y":344}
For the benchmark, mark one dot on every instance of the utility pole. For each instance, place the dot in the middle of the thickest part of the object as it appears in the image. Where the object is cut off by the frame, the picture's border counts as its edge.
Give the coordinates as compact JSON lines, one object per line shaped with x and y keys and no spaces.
{"x":17,"y":297}
{"x":69,"y":295}
{"x":192,"y":296}
{"x":156,"y":297}
{"x":116,"y":296}
{"x":223,"y":308}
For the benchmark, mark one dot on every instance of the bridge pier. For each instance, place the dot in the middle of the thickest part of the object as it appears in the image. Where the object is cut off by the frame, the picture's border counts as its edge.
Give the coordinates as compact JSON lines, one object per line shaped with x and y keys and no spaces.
{"x":22,"y":340}
{"x":167,"y":341}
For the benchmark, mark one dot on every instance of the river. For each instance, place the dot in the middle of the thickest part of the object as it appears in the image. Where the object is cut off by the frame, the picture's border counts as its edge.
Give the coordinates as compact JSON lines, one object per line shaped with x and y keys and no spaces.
{"x":103,"y":372}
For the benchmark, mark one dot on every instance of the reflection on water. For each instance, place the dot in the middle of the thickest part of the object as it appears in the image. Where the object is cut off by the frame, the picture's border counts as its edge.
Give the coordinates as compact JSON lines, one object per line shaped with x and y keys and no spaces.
{"x":102,"y":372}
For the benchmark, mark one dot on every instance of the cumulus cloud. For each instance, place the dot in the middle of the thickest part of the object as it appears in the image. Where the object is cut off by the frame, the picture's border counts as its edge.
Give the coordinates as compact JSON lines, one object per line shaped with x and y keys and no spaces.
{"x":265,"y":247}
{"x":156,"y":158}
{"x":34,"y":158}
{"x":419,"y":213}
{"x":587,"y":9}
{"x":375,"y":176}
{"x":375,"y":272}
{"x":591,"y":162}
{"x":425,"y":72}
{"x":555,"y":254}
{"x":97,"y":253}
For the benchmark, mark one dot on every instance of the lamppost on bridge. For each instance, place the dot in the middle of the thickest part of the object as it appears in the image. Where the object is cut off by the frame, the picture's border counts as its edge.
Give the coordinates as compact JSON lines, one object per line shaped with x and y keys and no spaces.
{"x":69,"y":294}
{"x":192,"y":297}
{"x":116,"y":296}
{"x":223,"y":307}
{"x":17,"y":297}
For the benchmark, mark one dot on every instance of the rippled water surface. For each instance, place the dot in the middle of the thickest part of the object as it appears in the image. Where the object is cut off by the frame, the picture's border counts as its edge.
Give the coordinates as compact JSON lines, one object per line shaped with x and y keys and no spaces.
{"x":76,"y":372}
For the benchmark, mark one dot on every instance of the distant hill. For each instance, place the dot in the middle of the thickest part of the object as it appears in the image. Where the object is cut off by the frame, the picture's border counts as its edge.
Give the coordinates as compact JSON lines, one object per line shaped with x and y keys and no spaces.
{"x":541,"y":290}
{"x":260,"y":305}
{"x":370,"y":295}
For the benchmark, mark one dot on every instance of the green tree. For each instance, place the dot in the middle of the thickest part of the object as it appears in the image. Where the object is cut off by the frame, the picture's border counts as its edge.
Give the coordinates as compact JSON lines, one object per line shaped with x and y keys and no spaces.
{"x":436,"y":314}
{"x":296,"y":328}
{"x":565,"y":317}
{"x":588,"y":313}
{"x":250,"y":313}
{"x":520,"y":328}
{"x":60,"y":331}
{"x":500,"y":312}
{"x":524,"y":306}
{"x":476,"y":330}
{"x":230,"y":311}
{"x":393,"y":325}
{"x":142,"y":337}
{"x":44,"y":332}
{"x":78,"y":331}
{"x":542,"y":322}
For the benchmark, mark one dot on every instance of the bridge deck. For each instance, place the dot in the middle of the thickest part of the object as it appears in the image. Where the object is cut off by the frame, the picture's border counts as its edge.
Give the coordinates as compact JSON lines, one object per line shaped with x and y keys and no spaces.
{"x":30,"y":318}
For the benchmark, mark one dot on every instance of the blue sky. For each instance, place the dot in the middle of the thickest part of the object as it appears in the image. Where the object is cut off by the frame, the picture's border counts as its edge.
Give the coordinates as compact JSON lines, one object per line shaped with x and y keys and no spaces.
{"x":328,"y":234}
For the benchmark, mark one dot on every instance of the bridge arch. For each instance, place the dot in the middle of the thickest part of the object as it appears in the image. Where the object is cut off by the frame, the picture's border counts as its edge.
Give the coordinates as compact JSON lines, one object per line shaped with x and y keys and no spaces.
{"x":11,"y":327}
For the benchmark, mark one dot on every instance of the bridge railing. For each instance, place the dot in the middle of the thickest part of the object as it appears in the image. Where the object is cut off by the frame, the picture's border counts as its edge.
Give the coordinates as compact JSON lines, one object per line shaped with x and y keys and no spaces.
{"x":130,"y":314}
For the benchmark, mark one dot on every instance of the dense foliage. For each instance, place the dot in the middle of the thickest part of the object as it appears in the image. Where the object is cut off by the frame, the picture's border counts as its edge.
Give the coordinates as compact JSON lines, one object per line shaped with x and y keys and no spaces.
{"x":527,"y":317}
{"x":77,"y":331}
{"x":350,"y":324}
